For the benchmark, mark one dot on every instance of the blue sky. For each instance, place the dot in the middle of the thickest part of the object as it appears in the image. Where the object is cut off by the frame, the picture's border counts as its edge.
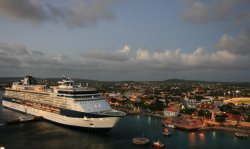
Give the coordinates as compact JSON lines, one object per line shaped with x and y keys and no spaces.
{"x":126,"y":40}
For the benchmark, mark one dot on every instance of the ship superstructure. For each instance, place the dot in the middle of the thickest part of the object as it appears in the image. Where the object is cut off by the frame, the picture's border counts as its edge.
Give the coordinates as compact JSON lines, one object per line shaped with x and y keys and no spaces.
{"x":67,"y":103}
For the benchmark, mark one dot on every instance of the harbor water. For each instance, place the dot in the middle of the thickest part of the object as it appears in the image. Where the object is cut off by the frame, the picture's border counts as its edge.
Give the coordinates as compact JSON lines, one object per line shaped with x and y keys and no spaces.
{"x":43,"y":134}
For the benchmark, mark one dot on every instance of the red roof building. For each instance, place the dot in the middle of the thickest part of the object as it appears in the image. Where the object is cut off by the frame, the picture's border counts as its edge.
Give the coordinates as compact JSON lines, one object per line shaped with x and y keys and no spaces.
{"x":205,"y":106}
{"x":233,"y":117}
{"x":171,"y":112}
{"x":199,"y":90}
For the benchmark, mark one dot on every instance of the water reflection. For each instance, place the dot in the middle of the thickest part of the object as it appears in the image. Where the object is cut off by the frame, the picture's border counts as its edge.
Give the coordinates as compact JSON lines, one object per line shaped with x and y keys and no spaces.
{"x":214,"y":135}
{"x":149,"y":120}
{"x":202,"y":137}
{"x":192,"y":138}
{"x":138,"y":118}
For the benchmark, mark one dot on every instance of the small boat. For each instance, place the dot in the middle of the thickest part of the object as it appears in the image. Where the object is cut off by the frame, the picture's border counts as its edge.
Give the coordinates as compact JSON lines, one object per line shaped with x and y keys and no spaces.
{"x":140,"y":140}
{"x":241,"y":135}
{"x":166,"y":132}
{"x":168,"y":125}
{"x":158,"y":144}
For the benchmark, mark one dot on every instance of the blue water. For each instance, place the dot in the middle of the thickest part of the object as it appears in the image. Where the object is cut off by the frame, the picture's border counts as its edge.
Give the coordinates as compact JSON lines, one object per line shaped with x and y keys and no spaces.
{"x":42,"y":134}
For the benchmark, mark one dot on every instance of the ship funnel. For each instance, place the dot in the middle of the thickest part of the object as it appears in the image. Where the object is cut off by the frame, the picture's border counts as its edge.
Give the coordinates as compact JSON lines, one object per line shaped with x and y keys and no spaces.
{"x":29,"y":80}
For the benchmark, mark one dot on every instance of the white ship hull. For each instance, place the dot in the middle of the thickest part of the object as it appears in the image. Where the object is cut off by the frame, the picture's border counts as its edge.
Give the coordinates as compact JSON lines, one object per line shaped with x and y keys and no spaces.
{"x":106,"y":123}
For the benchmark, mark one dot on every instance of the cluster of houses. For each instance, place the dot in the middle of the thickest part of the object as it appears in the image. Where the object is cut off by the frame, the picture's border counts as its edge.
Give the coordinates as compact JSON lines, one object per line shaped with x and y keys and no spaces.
{"x":209,"y":104}
{"x":175,"y":103}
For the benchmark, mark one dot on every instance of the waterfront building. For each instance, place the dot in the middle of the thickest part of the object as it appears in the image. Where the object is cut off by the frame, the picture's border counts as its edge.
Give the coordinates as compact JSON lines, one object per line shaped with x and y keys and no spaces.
{"x":170,"y":112}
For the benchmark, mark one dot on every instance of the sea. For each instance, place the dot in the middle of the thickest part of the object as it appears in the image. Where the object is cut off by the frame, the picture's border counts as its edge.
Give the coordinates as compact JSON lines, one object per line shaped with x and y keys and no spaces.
{"x":46,"y":135}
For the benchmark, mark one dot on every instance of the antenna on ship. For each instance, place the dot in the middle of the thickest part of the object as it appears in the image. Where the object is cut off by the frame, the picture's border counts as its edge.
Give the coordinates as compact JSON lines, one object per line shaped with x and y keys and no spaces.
{"x":80,"y":84}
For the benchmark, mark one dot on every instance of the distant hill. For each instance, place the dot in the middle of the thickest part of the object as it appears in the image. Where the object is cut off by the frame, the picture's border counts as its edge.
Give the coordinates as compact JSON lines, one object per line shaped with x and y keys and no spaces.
{"x":243,"y":84}
{"x":9,"y":80}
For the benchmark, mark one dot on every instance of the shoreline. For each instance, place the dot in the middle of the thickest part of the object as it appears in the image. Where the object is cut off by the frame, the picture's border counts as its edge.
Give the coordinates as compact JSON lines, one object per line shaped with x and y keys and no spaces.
{"x":225,"y":129}
{"x":204,"y":128}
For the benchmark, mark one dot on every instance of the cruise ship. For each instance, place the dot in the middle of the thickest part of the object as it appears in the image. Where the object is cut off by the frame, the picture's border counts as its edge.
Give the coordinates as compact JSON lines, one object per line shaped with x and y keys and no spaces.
{"x":68,"y":104}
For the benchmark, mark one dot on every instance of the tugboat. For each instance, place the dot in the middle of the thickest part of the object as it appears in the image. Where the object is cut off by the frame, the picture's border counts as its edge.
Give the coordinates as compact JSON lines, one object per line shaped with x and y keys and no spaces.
{"x":166,"y":132}
{"x":158,"y":145}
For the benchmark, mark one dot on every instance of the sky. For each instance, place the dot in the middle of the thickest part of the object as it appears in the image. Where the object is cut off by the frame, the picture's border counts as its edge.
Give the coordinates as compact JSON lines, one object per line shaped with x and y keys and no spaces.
{"x":126,"y":40}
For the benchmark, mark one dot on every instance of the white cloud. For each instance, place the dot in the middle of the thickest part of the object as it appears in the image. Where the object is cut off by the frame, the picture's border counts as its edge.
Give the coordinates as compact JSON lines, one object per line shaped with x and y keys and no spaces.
{"x":124,"y":62}
{"x":142,"y":55}
{"x":104,"y":55}
{"x":126,"y":49}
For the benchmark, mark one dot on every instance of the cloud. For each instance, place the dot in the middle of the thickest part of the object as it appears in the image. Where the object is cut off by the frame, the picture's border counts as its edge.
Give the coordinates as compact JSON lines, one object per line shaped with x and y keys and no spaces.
{"x":125,"y":63}
{"x":243,"y":17}
{"x":83,"y":12}
{"x":37,"y":53}
{"x":13,"y":49}
{"x":126,"y":49}
{"x":197,"y":12}
{"x":142,"y":55}
{"x":198,"y":59}
{"x":102,"y":55}
{"x":27,"y":10}
{"x":236,"y":45}
{"x":8,"y":62}
{"x":75,"y":13}
{"x":200,"y":12}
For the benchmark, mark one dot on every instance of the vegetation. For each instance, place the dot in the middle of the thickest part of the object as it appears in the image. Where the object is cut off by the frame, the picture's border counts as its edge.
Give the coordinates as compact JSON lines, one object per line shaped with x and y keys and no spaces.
{"x":248,"y":118}
{"x":157,"y":106}
{"x":235,"y":112}
{"x":220,"y":118}
{"x":226,"y":108}
{"x":189,"y":111}
{"x":205,"y":113}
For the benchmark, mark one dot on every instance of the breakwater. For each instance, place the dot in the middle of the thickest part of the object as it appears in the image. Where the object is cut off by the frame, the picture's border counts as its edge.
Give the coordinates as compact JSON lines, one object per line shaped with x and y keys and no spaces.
{"x":224,"y":128}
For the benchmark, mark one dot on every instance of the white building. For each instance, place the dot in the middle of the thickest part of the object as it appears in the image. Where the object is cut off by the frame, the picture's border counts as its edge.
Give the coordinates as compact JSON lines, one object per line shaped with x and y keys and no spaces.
{"x":171,"y":112}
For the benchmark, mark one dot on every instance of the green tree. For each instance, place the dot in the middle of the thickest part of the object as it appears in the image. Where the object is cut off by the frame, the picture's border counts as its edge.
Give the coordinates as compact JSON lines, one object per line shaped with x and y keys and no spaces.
{"x":189,"y":111}
{"x":226,"y":108}
{"x":235,"y":112}
{"x":157,"y":106}
{"x":220,"y":118}
{"x":205,"y":113}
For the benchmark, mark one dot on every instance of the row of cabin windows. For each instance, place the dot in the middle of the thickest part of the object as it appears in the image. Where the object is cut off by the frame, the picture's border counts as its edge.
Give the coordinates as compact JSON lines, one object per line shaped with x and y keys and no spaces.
{"x":80,"y":101}
{"x":78,"y":96}
{"x":78,"y":92}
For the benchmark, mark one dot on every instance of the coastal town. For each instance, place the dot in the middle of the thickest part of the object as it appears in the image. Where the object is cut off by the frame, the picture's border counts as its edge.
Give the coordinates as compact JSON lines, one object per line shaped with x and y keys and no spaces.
{"x":177,"y":104}
{"x":183,"y":104}
{"x":187,"y":105}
